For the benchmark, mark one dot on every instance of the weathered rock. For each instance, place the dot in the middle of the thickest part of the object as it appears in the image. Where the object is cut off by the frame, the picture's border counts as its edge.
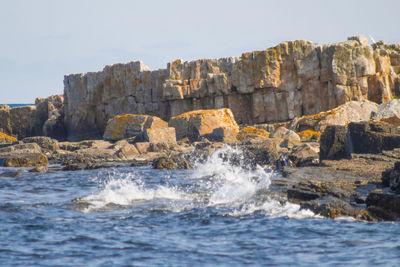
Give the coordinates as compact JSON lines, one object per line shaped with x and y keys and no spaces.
{"x":142,"y":147}
{"x":158,"y":136}
{"x":353,"y":111}
{"x":280,"y":83}
{"x":309,"y":135}
{"x":385,"y":205}
{"x":373,"y":137}
{"x":47,"y":144}
{"x":49,"y":120}
{"x":22,"y":120}
{"x":131,"y":125}
{"x":358,"y":137}
{"x":6,"y":139}
{"x":125,"y":150}
{"x":23,"y":160}
{"x":22,"y":155}
{"x":263,"y":153}
{"x":286,"y":138}
{"x":391,"y":177}
{"x":251,"y":132}
{"x":5,"y":124}
{"x":388,"y":112}
{"x":21,"y":148}
{"x":306,"y":154}
{"x":216,"y":125}
{"x":334,"y":143}
{"x":172,"y":163}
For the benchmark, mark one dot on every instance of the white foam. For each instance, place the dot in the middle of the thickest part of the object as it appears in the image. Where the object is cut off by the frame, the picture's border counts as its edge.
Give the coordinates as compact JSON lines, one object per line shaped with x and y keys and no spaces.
{"x":222,"y":181}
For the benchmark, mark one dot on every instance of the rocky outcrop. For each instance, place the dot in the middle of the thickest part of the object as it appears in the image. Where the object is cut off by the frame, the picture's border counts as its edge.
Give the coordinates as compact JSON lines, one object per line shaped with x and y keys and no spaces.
{"x":388,"y":112}
{"x":217,"y":125}
{"x":143,"y":128}
{"x":280,"y":83}
{"x":45,"y":118}
{"x":22,"y":155}
{"x":352,"y":111}
{"x":358,"y":137}
{"x":17,"y":121}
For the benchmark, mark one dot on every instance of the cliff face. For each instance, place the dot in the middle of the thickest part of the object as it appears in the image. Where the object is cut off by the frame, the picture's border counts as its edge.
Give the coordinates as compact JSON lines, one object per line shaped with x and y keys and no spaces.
{"x":291,"y":79}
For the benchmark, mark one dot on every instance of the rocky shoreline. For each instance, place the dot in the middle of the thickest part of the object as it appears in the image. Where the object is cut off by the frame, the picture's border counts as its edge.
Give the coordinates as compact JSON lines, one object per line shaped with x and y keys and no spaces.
{"x":345,"y":170}
{"x":338,"y":159}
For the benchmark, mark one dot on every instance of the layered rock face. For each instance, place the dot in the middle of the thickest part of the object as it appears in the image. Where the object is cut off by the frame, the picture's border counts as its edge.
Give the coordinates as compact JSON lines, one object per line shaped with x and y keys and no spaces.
{"x":45,"y":118}
{"x":292,"y":79}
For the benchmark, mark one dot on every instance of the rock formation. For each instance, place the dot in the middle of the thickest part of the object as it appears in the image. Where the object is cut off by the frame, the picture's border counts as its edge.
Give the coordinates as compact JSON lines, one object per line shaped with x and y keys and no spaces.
{"x":292,"y":79}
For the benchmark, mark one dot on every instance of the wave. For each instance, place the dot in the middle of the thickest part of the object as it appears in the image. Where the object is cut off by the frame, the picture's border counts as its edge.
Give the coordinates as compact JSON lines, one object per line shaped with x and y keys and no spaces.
{"x":223,"y":182}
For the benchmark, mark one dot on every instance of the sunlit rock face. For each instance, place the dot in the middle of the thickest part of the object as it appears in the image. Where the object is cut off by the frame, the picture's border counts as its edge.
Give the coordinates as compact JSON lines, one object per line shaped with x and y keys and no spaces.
{"x":292,"y":79}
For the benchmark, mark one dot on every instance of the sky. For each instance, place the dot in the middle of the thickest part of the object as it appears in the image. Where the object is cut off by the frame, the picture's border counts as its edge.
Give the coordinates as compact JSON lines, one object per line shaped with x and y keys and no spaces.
{"x":43,"y":40}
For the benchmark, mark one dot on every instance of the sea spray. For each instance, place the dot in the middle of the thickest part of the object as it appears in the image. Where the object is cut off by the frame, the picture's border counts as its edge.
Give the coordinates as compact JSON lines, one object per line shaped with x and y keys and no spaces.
{"x":223,"y":182}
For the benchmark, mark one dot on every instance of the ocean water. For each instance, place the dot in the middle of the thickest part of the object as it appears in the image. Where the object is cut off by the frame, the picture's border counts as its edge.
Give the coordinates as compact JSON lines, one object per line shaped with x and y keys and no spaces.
{"x":218,"y":214}
{"x":17,"y":105}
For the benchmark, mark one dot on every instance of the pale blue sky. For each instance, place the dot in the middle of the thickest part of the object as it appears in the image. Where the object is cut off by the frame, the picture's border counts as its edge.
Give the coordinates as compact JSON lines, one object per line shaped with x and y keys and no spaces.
{"x":42,"y":40}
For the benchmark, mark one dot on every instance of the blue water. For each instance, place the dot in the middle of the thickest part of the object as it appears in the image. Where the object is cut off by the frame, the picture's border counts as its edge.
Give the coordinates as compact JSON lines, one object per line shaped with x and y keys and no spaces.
{"x":216,"y":214}
{"x":17,"y":105}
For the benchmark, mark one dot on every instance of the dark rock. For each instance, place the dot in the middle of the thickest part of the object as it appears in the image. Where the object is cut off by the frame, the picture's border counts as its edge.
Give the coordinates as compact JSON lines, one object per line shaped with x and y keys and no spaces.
{"x":338,"y":142}
{"x":332,"y":207}
{"x":261,"y":153}
{"x":304,"y":155}
{"x":333,"y":143}
{"x":171,"y":163}
{"x":39,"y":169}
{"x":391,"y":177}
{"x":385,"y":205}
{"x":11,"y":174}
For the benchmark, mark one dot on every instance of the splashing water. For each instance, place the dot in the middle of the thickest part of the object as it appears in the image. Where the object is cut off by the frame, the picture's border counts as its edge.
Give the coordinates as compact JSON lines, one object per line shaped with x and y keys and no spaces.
{"x":222,"y":182}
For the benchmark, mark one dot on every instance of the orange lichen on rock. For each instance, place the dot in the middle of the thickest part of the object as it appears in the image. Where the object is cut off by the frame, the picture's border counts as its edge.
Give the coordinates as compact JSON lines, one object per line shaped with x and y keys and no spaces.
{"x":252,"y":132}
{"x":309,"y":135}
{"x":6,"y":139}
{"x":204,"y":123}
{"x":130,"y":125}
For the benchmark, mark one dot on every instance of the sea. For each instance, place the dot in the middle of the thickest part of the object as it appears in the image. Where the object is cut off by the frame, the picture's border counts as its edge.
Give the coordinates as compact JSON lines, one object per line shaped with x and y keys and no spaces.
{"x":217,"y":214}
{"x":17,"y":105}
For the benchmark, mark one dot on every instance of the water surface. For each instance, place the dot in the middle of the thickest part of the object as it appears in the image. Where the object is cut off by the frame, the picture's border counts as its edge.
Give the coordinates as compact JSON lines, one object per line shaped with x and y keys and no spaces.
{"x":216,"y":214}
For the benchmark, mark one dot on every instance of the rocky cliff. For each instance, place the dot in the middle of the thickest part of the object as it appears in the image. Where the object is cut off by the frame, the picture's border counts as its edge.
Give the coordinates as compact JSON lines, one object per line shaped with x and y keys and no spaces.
{"x":277,"y":84}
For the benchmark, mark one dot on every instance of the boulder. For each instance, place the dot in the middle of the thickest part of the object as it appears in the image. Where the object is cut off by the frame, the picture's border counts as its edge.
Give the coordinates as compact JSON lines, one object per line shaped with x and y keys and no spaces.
{"x":286,"y":138}
{"x":142,"y":147}
{"x":172,"y":162}
{"x":353,"y":111}
{"x":158,"y":136}
{"x":144,"y":127}
{"x":384,"y":205}
{"x":251,"y":132}
{"x":47,"y":144}
{"x":370,"y":137}
{"x":388,"y":112}
{"x":125,"y":151}
{"x":23,"y":159}
{"x":334,"y":143}
{"x":6,"y":139}
{"x":22,"y":155}
{"x":306,"y":154}
{"x":217,"y":125}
